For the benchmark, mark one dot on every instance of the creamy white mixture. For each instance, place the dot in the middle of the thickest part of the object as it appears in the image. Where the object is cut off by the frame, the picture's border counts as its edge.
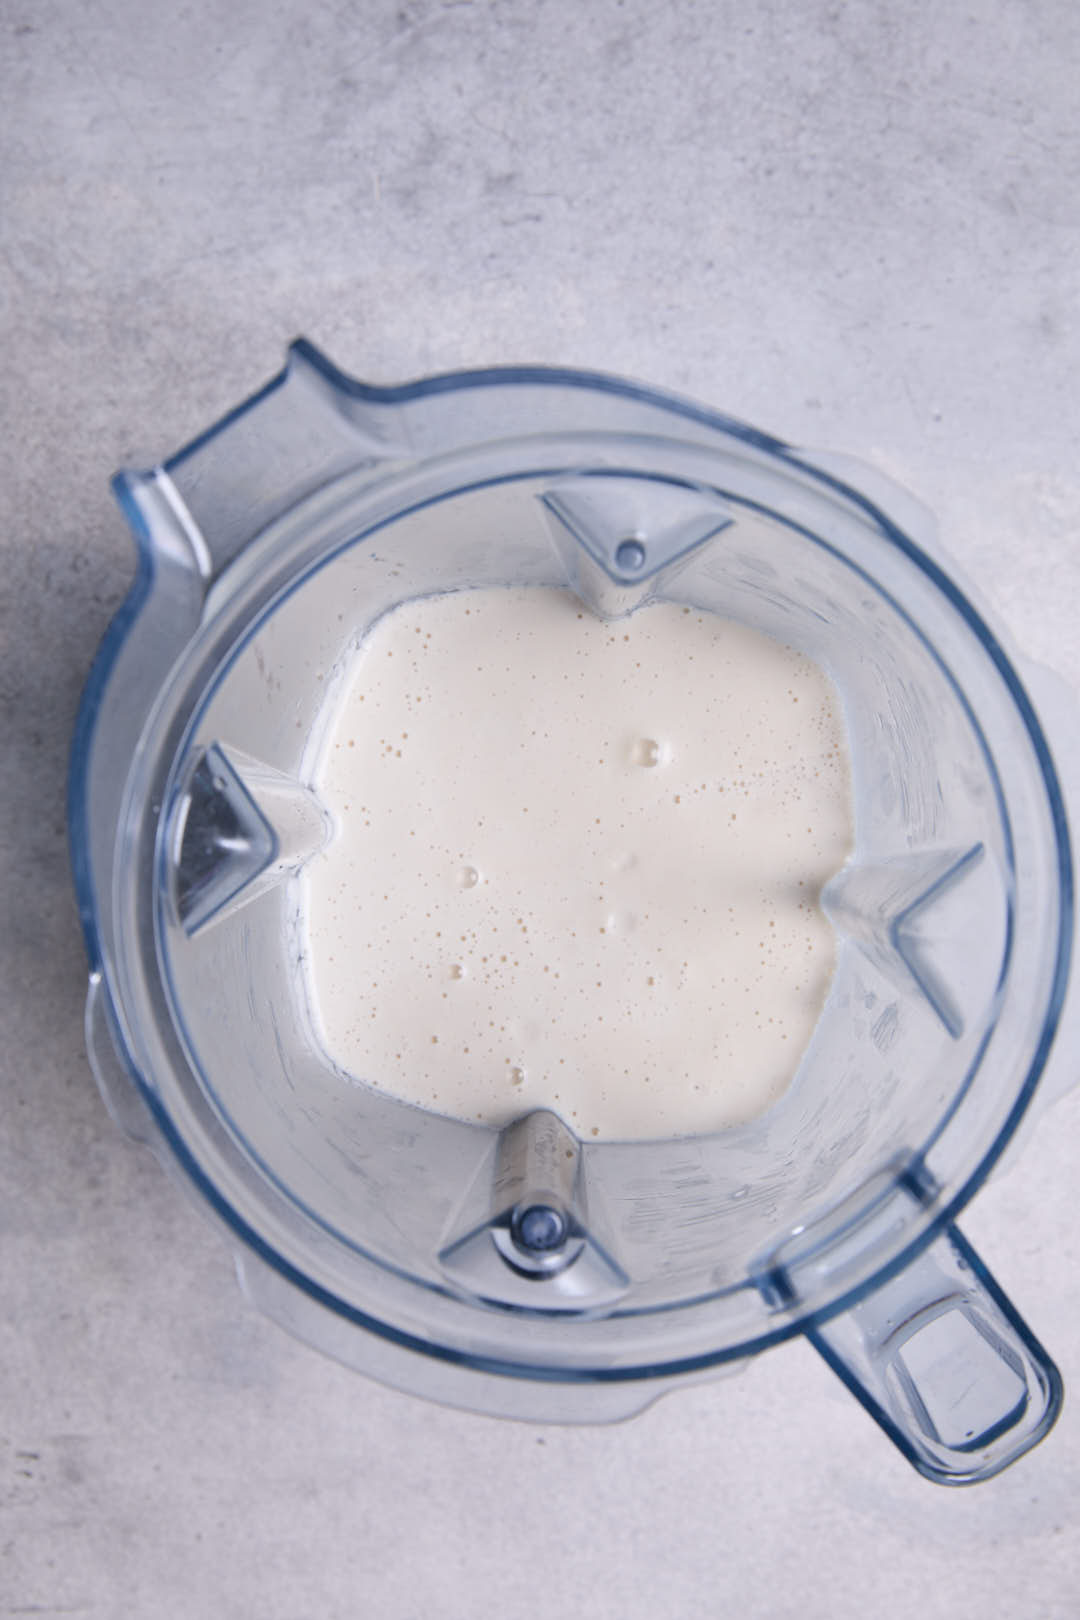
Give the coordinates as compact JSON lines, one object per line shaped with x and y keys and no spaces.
{"x":577,"y":863}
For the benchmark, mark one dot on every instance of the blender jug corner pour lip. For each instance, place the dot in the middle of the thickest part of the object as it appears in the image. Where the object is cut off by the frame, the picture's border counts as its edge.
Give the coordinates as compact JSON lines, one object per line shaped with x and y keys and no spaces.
{"x":223,"y":523}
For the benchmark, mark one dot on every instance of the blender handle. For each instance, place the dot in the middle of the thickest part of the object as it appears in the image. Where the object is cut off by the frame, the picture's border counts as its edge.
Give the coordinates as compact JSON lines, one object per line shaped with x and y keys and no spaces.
{"x":943,"y":1362}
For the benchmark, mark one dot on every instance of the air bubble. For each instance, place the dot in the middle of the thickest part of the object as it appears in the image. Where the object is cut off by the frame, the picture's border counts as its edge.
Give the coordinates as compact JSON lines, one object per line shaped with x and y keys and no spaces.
{"x":646,"y":751}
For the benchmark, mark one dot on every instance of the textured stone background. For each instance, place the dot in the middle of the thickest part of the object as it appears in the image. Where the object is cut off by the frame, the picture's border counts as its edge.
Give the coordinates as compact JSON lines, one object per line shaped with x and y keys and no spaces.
{"x":854,"y":224}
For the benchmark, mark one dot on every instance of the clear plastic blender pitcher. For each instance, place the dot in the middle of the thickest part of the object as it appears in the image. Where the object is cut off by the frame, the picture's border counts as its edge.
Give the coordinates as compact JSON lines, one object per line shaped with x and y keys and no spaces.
{"x":526,"y":1272}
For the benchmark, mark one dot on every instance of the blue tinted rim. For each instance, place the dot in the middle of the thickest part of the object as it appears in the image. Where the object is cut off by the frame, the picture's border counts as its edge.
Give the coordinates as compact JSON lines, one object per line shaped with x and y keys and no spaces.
{"x":596,"y":382}
{"x":87,"y":716}
{"x":585,"y":381}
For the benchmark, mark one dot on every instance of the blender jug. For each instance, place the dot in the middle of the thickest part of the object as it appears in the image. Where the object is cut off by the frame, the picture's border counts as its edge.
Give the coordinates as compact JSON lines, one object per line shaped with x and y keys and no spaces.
{"x":527,"y":1272}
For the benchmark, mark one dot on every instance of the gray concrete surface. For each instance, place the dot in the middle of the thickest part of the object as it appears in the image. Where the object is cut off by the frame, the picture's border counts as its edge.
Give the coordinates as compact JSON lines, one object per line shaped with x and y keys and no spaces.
{"x":855,"y":224}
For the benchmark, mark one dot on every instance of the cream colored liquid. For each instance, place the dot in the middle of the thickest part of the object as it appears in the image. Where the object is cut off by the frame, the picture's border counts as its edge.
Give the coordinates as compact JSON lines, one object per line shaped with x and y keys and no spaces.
{"x":577,"y":863}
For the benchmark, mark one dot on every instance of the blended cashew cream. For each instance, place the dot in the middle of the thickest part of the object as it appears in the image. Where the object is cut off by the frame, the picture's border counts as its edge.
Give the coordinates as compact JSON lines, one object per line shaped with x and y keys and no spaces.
{"x":577,"y":863}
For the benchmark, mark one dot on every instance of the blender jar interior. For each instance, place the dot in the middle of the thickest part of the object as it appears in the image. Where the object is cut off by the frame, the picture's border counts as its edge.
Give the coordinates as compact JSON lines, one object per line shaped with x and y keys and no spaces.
{"x":946,"y":949}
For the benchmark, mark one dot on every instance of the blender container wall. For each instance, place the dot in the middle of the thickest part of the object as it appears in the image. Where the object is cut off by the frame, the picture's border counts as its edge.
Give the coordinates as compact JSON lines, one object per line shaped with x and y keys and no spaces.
{"x":399,"y":1239}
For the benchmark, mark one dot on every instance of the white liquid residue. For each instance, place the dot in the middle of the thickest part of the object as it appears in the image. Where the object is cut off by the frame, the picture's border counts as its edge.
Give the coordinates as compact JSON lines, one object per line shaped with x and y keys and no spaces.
{"x":578,"y":863}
